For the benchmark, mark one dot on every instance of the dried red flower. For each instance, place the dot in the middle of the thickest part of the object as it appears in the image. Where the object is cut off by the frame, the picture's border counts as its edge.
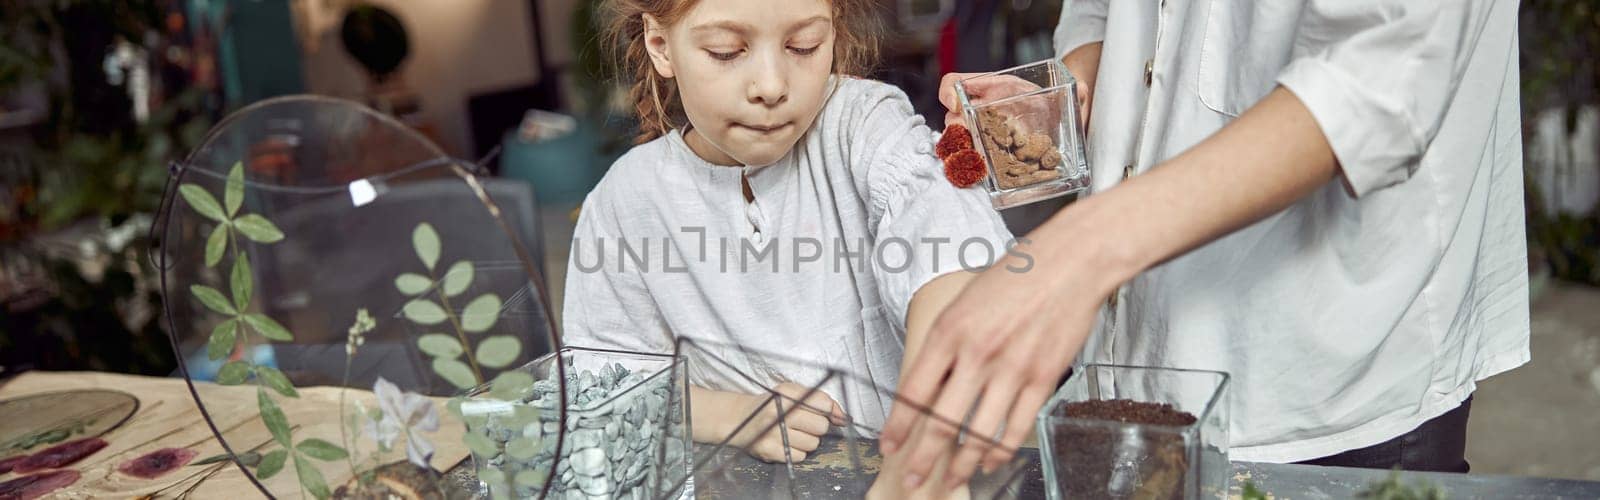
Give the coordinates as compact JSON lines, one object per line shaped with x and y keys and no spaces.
{"x":956,"y":138}
{"x":964,"y":168}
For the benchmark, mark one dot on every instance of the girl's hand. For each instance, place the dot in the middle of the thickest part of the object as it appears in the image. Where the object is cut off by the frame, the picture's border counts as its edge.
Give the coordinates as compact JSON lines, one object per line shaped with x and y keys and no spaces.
{"x":1083,"y":63}
{"x":804,"y":421}
{"x":983,"y":90}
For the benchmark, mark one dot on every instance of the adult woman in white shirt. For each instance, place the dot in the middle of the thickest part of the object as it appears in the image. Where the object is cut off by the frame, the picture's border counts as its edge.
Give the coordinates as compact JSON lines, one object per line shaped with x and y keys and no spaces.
{"x":1321,"y":197}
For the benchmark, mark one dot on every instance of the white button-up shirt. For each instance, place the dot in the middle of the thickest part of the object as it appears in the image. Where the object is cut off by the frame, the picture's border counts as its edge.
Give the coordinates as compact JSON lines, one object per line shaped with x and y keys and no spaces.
{"x":1345,"y":320}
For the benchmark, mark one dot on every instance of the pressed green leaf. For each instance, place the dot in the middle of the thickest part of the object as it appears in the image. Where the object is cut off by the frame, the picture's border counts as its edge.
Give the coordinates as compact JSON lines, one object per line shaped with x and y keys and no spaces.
{"x":523,"y":448}
{"x":310,"y":478}
{"x":233,"y":373}
{"x":455,"y":372}
{"x":454,"y":406}
{"x":212,"y":299}
{"x":440,"y":345}
{"x":267,"y":327}
{"x":202,"y":202}
{"x":412,"y":283}
{"x":480,"y":444}
{"x":499,"y":351}
{"x":233,"y":193}
{"x":481,"y":313}
{"x":222,"y":337}
{"x":217,"y":244}
{"x":258,"y":229}
{"x":522,"y":415}
{"x":271,"y":463}
{"x":277,"y":381}
{"x":321,"y":450}
{"x":510,"y":385}
{"x":242,"y":281}
{"x":426,"y":242}
{"x":458,"y":278}
{"x":424,"y":312}
{"x":249,"y":459}
{"x":277,"y":423}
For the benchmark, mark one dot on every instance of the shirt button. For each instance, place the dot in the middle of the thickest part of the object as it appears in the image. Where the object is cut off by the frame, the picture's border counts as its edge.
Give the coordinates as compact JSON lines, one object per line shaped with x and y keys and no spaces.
{"x":1149,"y":71}
{"x":1127,"y":171}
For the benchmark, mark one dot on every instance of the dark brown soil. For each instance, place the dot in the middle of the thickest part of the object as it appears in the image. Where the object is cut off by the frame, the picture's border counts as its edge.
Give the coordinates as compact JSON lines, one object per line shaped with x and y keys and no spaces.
{"x":1123,"y":410}
{"x":1096,"y":462}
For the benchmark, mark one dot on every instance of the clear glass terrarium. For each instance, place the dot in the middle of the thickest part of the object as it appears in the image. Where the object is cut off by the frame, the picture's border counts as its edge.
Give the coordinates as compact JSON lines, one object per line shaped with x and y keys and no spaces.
{"x":1136,"y":432}
{"x":1025,"y":124}
{"x":331,"y":278}
{"x":627,"y":428}
{"x":843,"y":462}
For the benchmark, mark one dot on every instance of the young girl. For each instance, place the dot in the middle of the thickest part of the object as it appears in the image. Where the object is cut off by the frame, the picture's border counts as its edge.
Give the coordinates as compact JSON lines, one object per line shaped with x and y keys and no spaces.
{"x":773,"y":204}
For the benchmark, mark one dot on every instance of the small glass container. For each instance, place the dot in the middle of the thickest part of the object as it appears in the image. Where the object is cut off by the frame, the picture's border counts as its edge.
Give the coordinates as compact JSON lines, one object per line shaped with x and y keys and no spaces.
{"x":1025,"y":124}
{"x":1088,"y":454}
{"x":626,"y":434}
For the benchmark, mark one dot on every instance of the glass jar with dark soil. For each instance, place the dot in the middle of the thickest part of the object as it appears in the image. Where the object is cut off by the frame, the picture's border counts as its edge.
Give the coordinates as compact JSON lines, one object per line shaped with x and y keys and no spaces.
{"x":1137,"y":432}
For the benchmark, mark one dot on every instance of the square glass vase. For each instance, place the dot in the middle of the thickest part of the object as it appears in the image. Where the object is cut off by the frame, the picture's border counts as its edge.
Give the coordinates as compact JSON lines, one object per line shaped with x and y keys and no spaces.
{"x":1107,"y":458}
{"x":1024,"y":123}
{"x":626,"y":435}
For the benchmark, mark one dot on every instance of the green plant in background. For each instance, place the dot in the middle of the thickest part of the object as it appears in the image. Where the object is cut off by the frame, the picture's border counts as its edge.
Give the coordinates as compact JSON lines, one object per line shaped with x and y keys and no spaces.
{"x":479,"y":315}
{"x":1560,"y":71}
{"x":233,"y":333}
{"x":88,"y":169}
{"x":1388,"y":489}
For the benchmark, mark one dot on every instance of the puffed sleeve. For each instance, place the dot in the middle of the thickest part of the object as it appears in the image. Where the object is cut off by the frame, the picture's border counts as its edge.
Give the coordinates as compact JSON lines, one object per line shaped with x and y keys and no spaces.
{"x":924,"y":227}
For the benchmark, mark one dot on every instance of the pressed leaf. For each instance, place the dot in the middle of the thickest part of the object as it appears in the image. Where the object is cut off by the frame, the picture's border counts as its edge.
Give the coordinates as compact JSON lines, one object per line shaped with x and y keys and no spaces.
{"x":233,"y":193}
{"x":258,"y":229}
{"x":202,"y":202}
{"x":233,"y":373}
{"x":458,"y":278}
{"x":267,"y":327}
{"x":210,"y":460}
{"x":310,"y":478}
{"x":426,"y":242}
{"x":412,"y":283}
{"x":321,"y":450}
{"x":212,"y":299}
{"x":455,"y":372}
{"x":222,"y":337}
{"x":424,"y":312}
{"x":480,"y":444}
{"x":271,"y":463}
{"x":277,"y":381}
{"x":523,"y":448}
{"x":277,"y":423}
{"x":440,"y":345}
{"x":481,"y":313}
{"x":217,"y":244}
{"x":249,"y":458}
{"x":454,"y":406}
{"x":510,"y":385}
{"x":522,"y":415}
{"x":242,"y":281}
{"x":499,"y":351}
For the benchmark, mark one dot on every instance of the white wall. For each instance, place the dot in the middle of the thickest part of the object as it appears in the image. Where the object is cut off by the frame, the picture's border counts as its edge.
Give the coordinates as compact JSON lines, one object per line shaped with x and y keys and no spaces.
{"x":458,"y":48}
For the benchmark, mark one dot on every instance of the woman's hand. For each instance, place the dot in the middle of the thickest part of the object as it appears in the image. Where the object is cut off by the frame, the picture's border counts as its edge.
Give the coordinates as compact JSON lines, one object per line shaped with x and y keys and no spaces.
{"x":1002,"y":346}
{"x":717,"y":414}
